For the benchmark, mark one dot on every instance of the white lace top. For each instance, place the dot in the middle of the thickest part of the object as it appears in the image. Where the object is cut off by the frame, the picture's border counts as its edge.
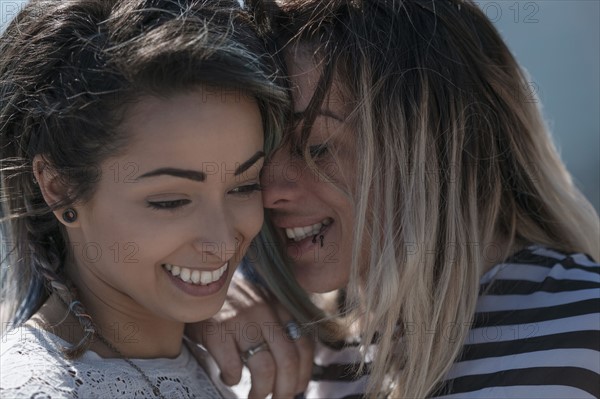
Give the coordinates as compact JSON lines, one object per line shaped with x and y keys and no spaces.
{"x":32,"y":366}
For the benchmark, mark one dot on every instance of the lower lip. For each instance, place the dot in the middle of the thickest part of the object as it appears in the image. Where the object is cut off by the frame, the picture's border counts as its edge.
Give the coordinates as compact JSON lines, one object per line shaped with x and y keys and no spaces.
{"x":196,"y":289}
{"x":297,"y":249}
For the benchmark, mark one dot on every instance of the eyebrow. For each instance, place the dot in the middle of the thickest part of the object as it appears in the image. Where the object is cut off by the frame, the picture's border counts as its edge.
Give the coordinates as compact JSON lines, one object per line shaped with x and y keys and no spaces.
{"x":185,"y":174}
{"x":247,"y":164}
{"x":201,"y":176}
{"x":321,"y":112}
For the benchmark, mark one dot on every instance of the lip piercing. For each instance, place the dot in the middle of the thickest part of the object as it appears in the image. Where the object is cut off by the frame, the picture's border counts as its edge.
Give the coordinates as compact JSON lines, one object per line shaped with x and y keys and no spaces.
{"x":314,"y":239}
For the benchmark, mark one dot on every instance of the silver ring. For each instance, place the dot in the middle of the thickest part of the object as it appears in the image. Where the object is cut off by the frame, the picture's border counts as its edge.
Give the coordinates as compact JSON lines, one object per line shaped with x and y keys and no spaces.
{"x":292,"y":330}
{"x":263,"y":346}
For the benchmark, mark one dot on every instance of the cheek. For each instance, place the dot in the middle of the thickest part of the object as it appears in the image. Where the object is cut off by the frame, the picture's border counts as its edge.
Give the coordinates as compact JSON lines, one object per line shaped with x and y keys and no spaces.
{"x":105,"y":229}
{"x":131,"y":237}
{"x":248,"y":218}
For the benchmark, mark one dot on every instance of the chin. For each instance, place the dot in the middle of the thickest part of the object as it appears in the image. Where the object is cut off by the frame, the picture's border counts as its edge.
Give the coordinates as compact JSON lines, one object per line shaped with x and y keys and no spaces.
{"x":198,"y":313}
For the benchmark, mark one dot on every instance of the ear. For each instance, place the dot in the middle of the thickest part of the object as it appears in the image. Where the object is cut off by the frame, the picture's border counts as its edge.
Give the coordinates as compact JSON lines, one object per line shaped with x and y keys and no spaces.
{"x":53,"y":190}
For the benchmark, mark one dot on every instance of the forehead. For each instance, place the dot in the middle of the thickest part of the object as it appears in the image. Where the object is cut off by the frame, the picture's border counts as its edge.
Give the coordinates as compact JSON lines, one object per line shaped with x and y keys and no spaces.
{"x":193,"y":130}
{"x":305,"y":73}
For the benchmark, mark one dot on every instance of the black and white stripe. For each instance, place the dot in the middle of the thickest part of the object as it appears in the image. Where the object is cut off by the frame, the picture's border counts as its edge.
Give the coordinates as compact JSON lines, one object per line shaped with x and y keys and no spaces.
{"x":536,"y":334}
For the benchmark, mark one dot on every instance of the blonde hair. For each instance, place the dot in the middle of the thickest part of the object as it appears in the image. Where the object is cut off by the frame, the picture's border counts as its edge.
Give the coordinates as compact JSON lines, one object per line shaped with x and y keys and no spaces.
{"x":454,"y":160}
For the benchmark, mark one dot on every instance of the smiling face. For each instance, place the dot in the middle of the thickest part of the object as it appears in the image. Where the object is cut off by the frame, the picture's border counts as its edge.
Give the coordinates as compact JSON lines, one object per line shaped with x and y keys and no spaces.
{"x":172,"y":216}
{"x":313,"y":212}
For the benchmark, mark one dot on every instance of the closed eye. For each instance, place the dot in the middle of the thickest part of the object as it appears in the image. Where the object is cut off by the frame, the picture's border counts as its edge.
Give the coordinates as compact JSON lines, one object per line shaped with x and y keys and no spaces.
{"x":247,"y":189}
{"x":315,"y":151}
{"x":168,"y":205}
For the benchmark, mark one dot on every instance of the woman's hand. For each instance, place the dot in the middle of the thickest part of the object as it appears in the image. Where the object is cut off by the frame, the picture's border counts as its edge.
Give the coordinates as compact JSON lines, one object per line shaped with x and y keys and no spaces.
{"x":246,"y":321}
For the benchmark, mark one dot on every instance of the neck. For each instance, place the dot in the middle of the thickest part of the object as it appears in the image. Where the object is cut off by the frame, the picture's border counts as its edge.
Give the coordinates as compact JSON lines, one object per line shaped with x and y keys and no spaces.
{"x":133,"y":335}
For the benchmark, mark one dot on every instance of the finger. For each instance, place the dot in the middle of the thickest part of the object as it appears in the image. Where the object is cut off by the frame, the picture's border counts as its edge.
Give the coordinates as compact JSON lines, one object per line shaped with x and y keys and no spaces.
{"x":262,"y":325}
{"x":224,"y":350}
{"x":306,"y":350}
{"x":293,"y":359}
{"x":262,"y":374}
{"x":286,"y":359}
{"x":279,"y":375}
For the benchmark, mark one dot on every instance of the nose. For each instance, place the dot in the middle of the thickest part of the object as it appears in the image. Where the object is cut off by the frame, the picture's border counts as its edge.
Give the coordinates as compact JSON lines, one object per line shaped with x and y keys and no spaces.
{"x":216,"y":238}
{"x":280,"y":179}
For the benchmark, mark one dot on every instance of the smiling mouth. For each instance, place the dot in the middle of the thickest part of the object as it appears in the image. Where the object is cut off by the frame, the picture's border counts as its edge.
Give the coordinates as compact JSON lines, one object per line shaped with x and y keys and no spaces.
{"x":197,"y":277}
{"x":300,"y":233}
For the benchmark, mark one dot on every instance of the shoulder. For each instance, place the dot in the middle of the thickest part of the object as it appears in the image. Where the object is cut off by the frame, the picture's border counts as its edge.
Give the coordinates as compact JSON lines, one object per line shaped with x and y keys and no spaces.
{"x":539,"y":285}
{"x":31,"y":363}
{"x":535,"y":331}
{"x":25,"y":345}
{"x":537,"y":263}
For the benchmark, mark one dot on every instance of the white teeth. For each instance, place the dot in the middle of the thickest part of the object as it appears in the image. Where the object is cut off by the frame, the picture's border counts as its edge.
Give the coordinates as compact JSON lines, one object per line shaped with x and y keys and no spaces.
{"x":185,"y":274}
{"x":202,"y":277}
{"x":196,"y":276}
{"x":300,"y":233}
{"x":205,"y":277}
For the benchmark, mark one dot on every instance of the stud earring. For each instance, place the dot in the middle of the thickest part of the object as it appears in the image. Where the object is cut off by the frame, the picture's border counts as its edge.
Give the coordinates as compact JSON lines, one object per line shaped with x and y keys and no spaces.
{"x":69,"y":215}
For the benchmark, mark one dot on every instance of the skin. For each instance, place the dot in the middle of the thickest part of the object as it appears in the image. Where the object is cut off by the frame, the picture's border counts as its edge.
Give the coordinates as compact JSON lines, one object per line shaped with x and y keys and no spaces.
{"x":139,"y":219}
{"x":245,"y":322}
{"x":294,"y":197}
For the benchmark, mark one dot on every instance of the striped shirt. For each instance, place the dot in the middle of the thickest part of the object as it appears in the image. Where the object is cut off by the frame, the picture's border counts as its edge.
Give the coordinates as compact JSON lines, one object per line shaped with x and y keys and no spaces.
{"x":536,"y":334}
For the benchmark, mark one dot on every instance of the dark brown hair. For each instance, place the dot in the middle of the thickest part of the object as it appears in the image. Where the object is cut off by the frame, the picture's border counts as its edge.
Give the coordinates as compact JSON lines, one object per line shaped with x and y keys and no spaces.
{"x":68,"y":72}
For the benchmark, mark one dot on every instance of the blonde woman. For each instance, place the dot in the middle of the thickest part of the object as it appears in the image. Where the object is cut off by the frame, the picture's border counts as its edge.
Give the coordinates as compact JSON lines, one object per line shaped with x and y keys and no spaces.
{"x":439,"y":243}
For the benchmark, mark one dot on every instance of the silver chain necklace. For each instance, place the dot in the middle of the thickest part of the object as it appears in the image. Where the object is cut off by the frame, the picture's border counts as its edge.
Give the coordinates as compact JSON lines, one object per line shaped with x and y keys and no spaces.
{"x":154,"y":388}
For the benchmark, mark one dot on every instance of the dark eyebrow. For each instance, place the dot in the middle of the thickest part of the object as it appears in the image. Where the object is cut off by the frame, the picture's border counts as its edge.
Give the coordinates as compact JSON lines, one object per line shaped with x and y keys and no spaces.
{"x":246,"y":165}
{"x":201,"y":176}
{"x":185,"y":174}
{"x":324,"y":112}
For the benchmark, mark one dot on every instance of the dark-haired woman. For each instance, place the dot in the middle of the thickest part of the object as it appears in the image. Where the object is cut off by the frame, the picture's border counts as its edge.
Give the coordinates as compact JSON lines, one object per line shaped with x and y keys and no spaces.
{"x":132,"y":138}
